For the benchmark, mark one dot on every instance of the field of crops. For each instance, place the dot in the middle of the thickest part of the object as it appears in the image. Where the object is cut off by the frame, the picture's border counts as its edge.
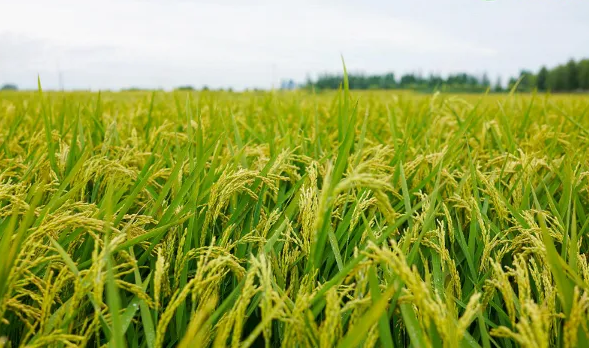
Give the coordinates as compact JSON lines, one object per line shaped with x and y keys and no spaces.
{"x":364,"y":219}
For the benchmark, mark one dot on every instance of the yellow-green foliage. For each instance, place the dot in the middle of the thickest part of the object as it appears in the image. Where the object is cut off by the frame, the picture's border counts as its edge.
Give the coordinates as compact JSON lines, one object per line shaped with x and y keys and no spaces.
{"x":291,"y":219}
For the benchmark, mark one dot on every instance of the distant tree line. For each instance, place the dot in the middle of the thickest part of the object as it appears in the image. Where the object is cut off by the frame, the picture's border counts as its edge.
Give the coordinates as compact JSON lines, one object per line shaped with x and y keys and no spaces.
{"x":454,"y":82}
{"x":9,"y":87}
{"x":190,"y":88}
{"x":569,"y":77}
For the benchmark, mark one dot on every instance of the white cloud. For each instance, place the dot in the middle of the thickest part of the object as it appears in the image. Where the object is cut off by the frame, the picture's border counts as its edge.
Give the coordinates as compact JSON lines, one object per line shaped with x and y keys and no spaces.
{"x":113,"y":44}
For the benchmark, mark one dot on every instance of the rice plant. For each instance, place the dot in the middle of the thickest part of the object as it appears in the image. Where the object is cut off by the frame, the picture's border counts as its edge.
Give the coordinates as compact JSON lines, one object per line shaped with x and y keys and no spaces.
{"x":365,"y":219}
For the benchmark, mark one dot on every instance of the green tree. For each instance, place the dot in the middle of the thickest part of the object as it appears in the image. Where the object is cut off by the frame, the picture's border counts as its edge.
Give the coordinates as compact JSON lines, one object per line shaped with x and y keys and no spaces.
{"x":498,"y":85}
{"x":542,"y":79}
{"x":9,"y":87}
{"x":527,"y":81}
{"x":185,"y":88}
{"x":485,"y":80}
{"x":583,"y":74}
{"x":511,"y":83}
{"x":389,"y":81}
{"x":557,"y":79}
{"x":571,"y":73}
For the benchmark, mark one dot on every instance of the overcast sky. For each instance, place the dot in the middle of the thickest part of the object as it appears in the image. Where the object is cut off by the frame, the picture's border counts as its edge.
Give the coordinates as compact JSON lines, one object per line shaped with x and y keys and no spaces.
{"x":110,"y":44}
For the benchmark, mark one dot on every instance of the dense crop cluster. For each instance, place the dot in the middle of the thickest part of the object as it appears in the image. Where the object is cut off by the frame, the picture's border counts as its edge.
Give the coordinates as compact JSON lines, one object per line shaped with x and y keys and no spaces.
{"x":291,"y":219}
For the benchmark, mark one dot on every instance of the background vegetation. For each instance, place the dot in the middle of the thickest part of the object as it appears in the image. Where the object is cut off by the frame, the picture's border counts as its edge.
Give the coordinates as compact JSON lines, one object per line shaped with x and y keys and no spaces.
{"x":569,"y":77}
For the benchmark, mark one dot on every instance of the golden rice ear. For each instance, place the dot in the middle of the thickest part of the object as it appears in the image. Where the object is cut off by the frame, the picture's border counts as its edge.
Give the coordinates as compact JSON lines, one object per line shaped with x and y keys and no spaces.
{"x":532,"y":329}
{"x":577,"y":319}
{"x":160,"y":269}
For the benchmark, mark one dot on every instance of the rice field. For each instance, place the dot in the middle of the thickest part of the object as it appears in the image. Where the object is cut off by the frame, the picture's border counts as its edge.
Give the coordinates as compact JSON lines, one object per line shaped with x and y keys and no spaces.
{"x":338,"y":219}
